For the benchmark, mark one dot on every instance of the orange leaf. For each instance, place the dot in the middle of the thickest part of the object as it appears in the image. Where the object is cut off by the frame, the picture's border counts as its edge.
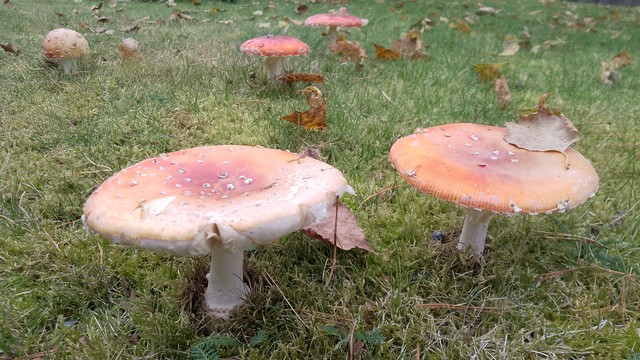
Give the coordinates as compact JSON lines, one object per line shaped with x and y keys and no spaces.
{"x":352,"y":50}
{"x":313,"y":95}
{"x":348,"y":235}
{"x":383,"y":53}
{"x":314,"y":118}
{"x":301,"y":77}
{"x":464,"y":27}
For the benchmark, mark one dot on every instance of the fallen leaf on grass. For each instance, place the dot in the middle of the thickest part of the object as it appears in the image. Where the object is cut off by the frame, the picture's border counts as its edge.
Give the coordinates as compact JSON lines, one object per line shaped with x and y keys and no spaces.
{"x":486,"y":10}
{"x":113,"y":3}
{"x":542,"y":130}
{"x":97,"y":7}
{"x":352,"y":51}
{"x":301,"y":77}
{"x":410,"y":46}
{"x":488,"y":72}
{"x":348,"y":235}
{"x":502,"y":90}
{"x":129,"y":49}
{"x":609,"y":69}
{"x":10,"y":47}
{"x":5,"y":2}
{"x":171,"y":3}
{"x":314,"y":118}
{"x":510,"y":46}
{"x":383,"y":53}
{"x":462,"y":26}
{"x":176,"y":15}
{"x":302,"y":9}
{"x":422,"y":25}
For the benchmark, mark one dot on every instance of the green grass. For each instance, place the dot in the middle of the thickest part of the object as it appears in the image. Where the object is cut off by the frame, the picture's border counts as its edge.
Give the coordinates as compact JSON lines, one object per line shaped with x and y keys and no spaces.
{"x":66,"y":294}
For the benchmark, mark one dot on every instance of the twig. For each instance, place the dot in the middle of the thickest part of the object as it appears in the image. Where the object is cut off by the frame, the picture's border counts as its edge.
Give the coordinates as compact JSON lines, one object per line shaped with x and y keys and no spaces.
{"x":384,"y":189}
{"x":335,"y":245}
{"x":568,"y":237}
{"x":436,"y":306}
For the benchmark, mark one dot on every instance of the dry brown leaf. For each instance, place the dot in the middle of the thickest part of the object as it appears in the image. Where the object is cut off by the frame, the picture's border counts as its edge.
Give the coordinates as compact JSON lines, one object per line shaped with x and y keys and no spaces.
{"x":510,"y":45}
{"x":543,"y":130}
{"x":302,"y":9}
{"x":486,"y":10}
{"x":195,"y":2}
{"x":349,"y":234}
{"x":176,"y":15}
{"x":301,"y":77}
{"x":608,"y":69}
{"x":129,"y":49}
{"x":314,"y":118}
{"x":352,"y":50}
{"x":171,"y":3}
{"x":5,"y":2}
{"x":97,"y":7}
{"x":502,"y":90}
{"x":422,"y":25}
{"x":410,"y":46}
{"x":489,"y":72}
{"x":10,"y":47}
{"x":464,"y":27}
{"x":313,"y":95}
{"x":113,"y":3}
{"x":383,"y":53}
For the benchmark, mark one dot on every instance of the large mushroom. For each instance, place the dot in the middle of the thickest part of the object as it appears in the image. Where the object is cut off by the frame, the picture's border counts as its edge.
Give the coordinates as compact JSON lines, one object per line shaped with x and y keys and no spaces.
{"x":472,"y":166}
{"x":215,"y":200}
{"x":276,"y":49}
{"x":64,"y":47}
{"x":333,"y":20}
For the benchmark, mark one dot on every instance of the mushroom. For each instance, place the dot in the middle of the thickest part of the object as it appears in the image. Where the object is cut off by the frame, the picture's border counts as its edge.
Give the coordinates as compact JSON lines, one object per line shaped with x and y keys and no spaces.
{"x":215,"y":200}
{"x":129,"y":49}
{"x":275,"y":49}
{"x":472,"y":166}
{"x":333,"y":20}
{"x":64,"y":47}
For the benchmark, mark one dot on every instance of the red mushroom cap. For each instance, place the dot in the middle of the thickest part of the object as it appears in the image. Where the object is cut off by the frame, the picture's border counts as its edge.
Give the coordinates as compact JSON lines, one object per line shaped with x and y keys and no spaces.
{"x":63,"y":43}
{"x":471,"y":165}
{"x":333,"y":20}
{"x":270,"y":45}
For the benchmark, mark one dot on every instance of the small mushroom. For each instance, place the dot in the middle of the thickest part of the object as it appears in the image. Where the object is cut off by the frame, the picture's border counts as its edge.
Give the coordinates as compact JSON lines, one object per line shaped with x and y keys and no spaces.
{"x":275,"y":49}
{"x":215,"y":200}
{"x":64,"y":47}
{"x":333,"y":20}
{"x":472,"y":166}
{"x":129,"y":49}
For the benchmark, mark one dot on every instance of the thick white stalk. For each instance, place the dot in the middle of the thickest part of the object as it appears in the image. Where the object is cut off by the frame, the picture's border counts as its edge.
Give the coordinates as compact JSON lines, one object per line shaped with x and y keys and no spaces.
{"x":68,"y":65}
{"x":332,"y":36}
{"x":275,"y":67}
{"x":474,"y":231}
{"x":225,"y":290}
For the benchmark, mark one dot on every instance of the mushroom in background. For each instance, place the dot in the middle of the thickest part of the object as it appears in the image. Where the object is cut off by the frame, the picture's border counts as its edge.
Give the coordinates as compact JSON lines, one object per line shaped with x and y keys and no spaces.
{"x":129,"y":49}
{"x":215,"y":200}
{"x":275,"y":49}
{"x":333,"y":20}
{"x":472,"y":166}
{"x":64,"y":47}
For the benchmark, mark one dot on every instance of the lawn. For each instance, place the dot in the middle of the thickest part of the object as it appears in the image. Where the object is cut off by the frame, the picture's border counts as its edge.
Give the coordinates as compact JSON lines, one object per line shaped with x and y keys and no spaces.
{"x":562,"y":285}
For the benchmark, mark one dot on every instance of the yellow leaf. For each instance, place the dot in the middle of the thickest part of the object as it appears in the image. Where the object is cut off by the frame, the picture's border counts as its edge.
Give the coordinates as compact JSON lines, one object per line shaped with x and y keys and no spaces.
{"x":489,"y":72}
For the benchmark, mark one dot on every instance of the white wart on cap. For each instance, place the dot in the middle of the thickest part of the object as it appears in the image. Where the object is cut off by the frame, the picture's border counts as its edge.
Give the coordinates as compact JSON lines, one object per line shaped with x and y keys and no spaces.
{"x":214,"y":199}
{"x":64,"y":47}
{"x":471,"y":165}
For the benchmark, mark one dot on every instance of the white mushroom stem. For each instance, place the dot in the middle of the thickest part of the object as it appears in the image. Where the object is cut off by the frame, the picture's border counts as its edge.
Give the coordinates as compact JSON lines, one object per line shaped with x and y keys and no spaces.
{"x":68,"y":65}
{"x":332,"y":36}
{"x":226,"y":290}
{"x":275,"y":67}
{"x":474,"y":231}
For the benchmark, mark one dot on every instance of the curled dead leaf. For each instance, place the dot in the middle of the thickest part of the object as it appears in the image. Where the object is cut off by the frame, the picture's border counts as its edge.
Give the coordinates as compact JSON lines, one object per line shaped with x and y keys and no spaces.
{"x":97,"y":7}
{"x":542,"y":130}
{"x":346,"y":232}
{"x":129,"y":49}
{"x":410,"y":46}
{"x":177,"y":15}
{"x":383,"y":53}
{"x":510,"y":46}
{"x":314,"y":118}
{"x":352,"y":51}
{"x":609,"y":69}
{"x":10,"y":47}
{"x":301,"y":77}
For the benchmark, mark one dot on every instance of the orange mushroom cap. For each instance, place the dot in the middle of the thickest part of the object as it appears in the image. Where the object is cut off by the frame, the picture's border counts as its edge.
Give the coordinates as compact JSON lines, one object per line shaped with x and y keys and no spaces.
{"x":64,"y":44}
{"x":270,"y":45}
{"x":471,"y":165}
{"x":187,"y":201}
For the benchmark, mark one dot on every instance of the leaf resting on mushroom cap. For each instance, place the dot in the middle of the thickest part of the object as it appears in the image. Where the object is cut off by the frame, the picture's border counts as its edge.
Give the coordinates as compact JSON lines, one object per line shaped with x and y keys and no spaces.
{"x":542,"y":130}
